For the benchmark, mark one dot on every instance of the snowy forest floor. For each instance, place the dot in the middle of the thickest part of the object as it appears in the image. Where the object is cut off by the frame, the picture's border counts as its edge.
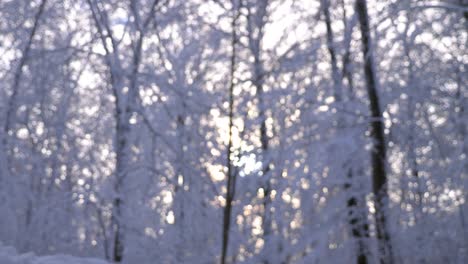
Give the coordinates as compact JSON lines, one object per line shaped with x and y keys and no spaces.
{"x":9,"y":255}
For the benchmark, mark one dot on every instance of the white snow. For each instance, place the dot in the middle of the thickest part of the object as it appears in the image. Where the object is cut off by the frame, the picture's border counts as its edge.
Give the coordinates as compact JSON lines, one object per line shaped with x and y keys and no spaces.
{"x":9,"y":255}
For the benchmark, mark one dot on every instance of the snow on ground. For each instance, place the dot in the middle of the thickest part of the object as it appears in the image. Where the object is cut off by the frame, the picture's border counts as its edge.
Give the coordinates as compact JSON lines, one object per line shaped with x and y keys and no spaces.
{"x":9,"y":255}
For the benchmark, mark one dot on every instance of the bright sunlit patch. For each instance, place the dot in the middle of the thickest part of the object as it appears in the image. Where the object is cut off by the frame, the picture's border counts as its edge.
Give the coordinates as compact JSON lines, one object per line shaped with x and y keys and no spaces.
{"x":249,"y":164}
{"x":170,"y":218}
{"x":260,"y":193}
{"x":22,"y":133}
{"x":323,"y":108}
{"x":296,"y":203}
{"x":180,"y":180}
{"x":450,"y":199}
{"x":221,"y":200}
{"x":329,"y":100}
{"x":286,"y":197}
{"x":216,"y":172}
{"x":81,"y":182}
{"x":248,"y":210}
{"x":40,"y":128}
{"x":257,"y":225}
{"x":167,"y":197}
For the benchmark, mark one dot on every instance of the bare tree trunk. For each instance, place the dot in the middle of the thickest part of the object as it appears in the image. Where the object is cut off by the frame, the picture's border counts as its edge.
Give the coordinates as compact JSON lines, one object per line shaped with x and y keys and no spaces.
{"x":464,"y":3}
{"x":231,"y":174}
{"x":180,"y":192}
{"x":346,"y":70}
{"x":11,"y":103}
{"x":412,"y":154}
{"x":256,"y":23}
{"x":378,"y":155}
{"x":356,"y":217}
{"x":11,"y":109}
{"x":125,"y":104}
{"x":462,"y":130}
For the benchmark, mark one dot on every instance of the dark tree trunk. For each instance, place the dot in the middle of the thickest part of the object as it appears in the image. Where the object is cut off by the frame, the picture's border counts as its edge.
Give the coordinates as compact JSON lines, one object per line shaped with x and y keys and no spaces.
{"x":378,"y":155}
{"x":122,"y":163}
{"x":356,"y":216}
{"x":231,"y":174}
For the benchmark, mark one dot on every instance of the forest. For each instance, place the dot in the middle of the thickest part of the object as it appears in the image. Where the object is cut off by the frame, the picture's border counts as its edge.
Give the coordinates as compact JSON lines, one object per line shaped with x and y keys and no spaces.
{"x":233,"y":131}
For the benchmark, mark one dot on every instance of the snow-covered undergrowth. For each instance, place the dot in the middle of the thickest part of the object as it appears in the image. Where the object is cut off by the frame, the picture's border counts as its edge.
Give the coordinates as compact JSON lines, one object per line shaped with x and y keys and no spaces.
{"x":9,"y":255}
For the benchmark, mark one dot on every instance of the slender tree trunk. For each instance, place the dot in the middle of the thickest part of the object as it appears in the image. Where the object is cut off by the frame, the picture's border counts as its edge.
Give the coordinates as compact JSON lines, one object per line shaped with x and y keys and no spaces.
{"x":462,"y":130}
{"x":125,"y":105}
{"x":378,"y":154}
{"x":179,"y":190}
{"x":412,"y":154}
{"x":11,"y":109}
{"x":122,"y":164}
{"x":356,"y":218}
{"x":464,"y":3}
{"x":11,"y":103}
{"x":231,"y":174}
{"x":10,"y":116}
{"x":256,"y":23}
{"x":337,"y":83}
{"x":346,"y":70}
